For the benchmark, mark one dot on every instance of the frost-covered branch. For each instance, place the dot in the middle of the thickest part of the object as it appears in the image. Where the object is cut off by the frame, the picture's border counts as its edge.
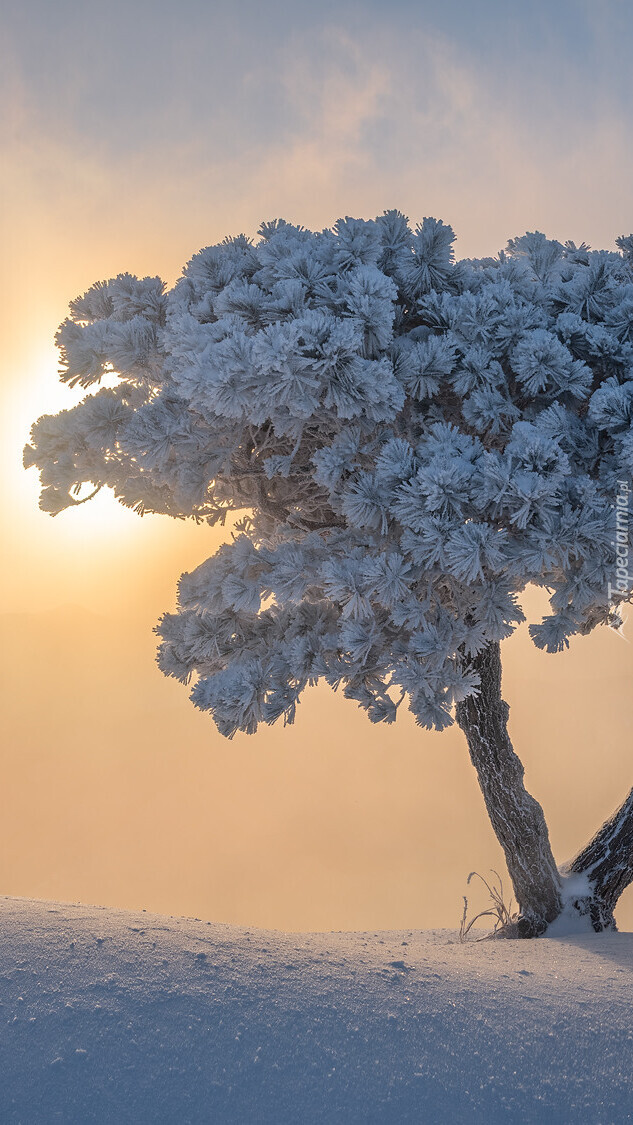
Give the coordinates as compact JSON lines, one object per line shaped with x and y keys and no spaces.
{"x":410,"y":441}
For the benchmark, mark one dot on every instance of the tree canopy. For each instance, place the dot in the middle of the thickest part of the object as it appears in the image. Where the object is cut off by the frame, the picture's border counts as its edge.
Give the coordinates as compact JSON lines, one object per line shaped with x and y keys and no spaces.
{"x":410,"y":440}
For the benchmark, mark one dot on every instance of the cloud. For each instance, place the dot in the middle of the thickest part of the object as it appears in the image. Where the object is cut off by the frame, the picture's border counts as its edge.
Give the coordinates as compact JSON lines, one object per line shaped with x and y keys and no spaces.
{"x":418,"y":125}
{"x":199,"y":131}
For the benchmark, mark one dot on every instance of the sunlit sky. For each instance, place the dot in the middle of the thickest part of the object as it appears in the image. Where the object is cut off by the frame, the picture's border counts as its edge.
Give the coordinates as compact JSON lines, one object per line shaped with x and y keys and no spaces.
{"x":133,"y":134}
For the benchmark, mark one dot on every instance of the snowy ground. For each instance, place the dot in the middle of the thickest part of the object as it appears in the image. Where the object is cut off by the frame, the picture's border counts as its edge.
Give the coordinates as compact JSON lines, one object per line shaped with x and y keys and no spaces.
{"x":118,"y":1017}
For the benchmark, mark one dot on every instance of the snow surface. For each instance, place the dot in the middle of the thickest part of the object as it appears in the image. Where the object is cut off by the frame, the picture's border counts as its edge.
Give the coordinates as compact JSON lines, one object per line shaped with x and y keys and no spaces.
{"x":113,"y":1016}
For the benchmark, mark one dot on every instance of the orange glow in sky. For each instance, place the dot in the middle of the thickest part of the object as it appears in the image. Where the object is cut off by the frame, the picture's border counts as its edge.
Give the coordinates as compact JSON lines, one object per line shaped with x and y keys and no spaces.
{"x":128,"y":144}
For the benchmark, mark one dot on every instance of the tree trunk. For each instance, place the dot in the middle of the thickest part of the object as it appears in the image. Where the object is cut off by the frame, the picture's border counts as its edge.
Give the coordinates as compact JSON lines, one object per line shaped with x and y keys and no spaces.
{"x":519,"y":823}
{"x":517,"y":819}
{"x":607,"y":861}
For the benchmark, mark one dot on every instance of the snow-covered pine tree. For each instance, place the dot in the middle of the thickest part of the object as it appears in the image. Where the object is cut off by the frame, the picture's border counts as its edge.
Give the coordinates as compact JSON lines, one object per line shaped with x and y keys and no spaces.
{"x":410,"y":440}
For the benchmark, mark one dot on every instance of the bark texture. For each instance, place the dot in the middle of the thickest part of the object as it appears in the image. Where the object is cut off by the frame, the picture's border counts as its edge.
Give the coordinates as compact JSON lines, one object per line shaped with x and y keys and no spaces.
{"x":607,"y":861}
{"x":517,"y":819}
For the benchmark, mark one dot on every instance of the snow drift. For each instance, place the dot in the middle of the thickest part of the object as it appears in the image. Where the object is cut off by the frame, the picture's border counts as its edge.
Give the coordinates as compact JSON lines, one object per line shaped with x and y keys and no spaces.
{"x":112,"y":1016}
